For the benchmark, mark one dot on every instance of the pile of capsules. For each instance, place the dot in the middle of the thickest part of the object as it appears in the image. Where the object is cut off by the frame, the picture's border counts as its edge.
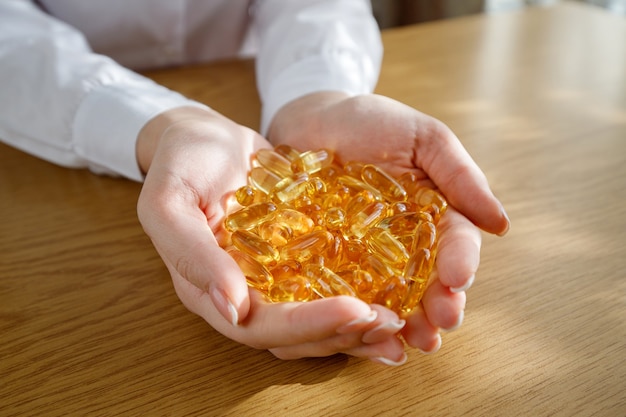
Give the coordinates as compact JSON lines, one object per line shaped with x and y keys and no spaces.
{"x":311,"y":228}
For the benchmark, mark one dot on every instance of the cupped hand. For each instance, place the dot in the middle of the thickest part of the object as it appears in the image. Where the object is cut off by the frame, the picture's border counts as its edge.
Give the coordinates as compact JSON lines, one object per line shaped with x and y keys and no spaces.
{"x":194,"y":159}
{"x":377,"y":129}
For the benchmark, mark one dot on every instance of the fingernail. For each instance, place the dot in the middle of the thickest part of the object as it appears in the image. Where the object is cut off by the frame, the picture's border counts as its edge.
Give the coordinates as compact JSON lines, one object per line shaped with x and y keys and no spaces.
{"x":457,"y":324}
{"x":465,"y":287}
{"x":224,"y":306}
{"x":389,"y":362}
{"x":357,"y":323}
{"x":371,"y":336}
{"x":508,"y":222}
{"x":435,"y":349}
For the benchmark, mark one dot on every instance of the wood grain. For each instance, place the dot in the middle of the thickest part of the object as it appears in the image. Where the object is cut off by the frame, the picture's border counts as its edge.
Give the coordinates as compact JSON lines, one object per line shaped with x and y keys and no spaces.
{"x":90,"y":324}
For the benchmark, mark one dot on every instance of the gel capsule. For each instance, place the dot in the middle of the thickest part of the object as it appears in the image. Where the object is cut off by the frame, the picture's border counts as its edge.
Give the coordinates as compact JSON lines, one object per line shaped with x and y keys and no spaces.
{"x":290,"y":188}
{"x":393,"y":294}
{"x":304,"y":247}
{"x":383,"y":243}
{"x":263,"y":179}
{"x":249,"y":217}
{"x":383,"y":182}
{"x":277,"y":234}
{"x":287,"y":151}
{"x":254,"y":246}
{"x":298,"y":222}
{"x":256,"y":274}
{"x":312,"y":161}
{"x":274,"y":162}
{"x":248,"y":195}
{"x":371,"y":214}
{"x":296,"y":288}
{"x":326,"y":283}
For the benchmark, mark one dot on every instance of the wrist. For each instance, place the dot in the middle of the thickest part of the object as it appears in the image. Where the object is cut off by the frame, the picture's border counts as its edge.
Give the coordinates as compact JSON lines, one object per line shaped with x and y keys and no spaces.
{"x":150,"y":135}
{"x":301,"y":117}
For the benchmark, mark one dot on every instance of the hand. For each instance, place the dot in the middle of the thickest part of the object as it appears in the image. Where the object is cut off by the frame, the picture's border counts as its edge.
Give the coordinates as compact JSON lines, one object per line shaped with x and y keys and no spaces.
{"x":194,"y":159}
{"x":398,"y":138}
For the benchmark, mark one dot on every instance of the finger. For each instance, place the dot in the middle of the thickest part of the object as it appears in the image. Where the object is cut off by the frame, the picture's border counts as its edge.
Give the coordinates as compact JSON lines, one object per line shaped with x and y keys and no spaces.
{"x":387,"y":324}
{"x":272,"y":325}
{"x":458,"y":253}
{"x":420,"y":333}
{"x":443,"y":308}
{"x":465,"y":186}
{"x":180,"y":232}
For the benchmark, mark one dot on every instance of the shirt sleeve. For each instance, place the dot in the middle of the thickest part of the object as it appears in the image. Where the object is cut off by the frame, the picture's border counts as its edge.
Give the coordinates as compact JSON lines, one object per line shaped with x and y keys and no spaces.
{"x":66,"y":104}
{"x":314,"y":45}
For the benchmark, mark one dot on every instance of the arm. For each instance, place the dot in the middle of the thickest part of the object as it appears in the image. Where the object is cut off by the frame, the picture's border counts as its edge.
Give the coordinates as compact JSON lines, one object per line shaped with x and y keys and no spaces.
{"x":63,"y":103}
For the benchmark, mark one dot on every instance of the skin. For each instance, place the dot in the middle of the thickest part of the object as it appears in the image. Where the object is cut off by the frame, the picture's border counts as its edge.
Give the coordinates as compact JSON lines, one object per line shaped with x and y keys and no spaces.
{"x":195,"y":158}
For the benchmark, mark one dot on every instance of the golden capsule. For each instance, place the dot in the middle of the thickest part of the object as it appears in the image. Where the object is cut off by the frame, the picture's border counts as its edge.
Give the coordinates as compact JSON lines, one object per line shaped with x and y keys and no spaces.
{"x":316,"y":187}
{"x":257,"y":275}
{"x":353,"y":169}
{"x":254,"y":246}
{"x":414,"y":293}
{"x":312,"y":161}
{"x":296,"y":288}
{"x":368,"y":217}
{"x":274,"y":162}
{"x":330,"y":173}
{"x":377,"y":267}
{"x":334,"y":218}
{"x":392,"y":294}
{"x":361,"y":281}
{"x":298,"y":222}
{"x":315,"y":213}
{"x":418,"y":266}
{"x":249,"y":217}
{"x":377,"y":178}
{"x":287,"y":152}
{"x":431,"y":201}
{"x":356,"y":185}
{"x":404,"y":224}
{"x":285,"y":270}
{"x":263,"y":179}
{"x":402,"y":207}
{"x":290,"y":188}
{"x":358,"y":202}
{"x":304,"y":247}
{"x":326,"y":283}
{"x":248,"y":195}
{"x":277,"y":234}
{"x":383,"y":243}
{"x":425,"y":236}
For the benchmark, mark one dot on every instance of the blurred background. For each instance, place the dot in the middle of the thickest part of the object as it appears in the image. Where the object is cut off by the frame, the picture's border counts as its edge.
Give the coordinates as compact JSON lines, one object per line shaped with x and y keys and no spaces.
{"x":403,"y":12}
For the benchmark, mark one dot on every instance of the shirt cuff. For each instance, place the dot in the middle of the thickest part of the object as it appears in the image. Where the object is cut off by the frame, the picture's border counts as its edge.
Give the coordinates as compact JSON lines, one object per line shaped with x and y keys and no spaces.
{"x":110,"y":117}
{"x":338,"y":71}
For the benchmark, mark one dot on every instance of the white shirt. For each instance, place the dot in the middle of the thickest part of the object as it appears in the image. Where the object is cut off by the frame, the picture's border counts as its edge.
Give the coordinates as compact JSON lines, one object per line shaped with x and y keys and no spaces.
{"x":67,"y":96}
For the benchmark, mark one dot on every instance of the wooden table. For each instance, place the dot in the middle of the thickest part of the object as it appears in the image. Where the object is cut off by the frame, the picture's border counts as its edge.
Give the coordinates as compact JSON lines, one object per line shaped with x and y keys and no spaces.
{"x":90,"y":324}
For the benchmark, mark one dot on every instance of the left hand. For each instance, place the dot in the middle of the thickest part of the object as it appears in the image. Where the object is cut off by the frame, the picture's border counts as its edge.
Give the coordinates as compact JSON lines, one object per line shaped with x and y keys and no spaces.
{"x":398,"y":138}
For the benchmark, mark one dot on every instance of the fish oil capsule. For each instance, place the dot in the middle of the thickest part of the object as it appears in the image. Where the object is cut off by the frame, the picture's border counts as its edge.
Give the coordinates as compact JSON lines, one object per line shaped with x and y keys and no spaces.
{"x":353,"y":169}
{"x":359,"y":223}
{"x":298,"y":222}
{"x":312,"y":161}
{"x":356,"y":185}
{"x":329,"y":201}
{"x":315,"y":187}
{"x":274,"y":162}
{"x":418,"y":266}
{"x":383,"y":243}
{"x":284,"y":270}
{"x":404,"y":224}
{"x":249,"y":217}
{"x":334,"y":218}
{"x":361,"y":281}
{"x":296,"y":288}
{"x":263,"y":179}
{"x":248,"y":195}
{"x":290,"y":188}
{"x":287,"y":152}
{"x":315,"y":213}
{"x":359,"y":201}
{"x":414,"y":293}
{"x":402,"y":207}
{"x":425,"y":236}
{"x":377,"y":267}
{"x":427,"y":197}
{"x":304,"y":247}
{"x":252,"y":245}
{"x":331,"y":172}
{"x":277,"y":234}
{"x":257,"y":275}
{"x":326,"y":283}
{"x":393,"y":294}
{"x":383,"y":182}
